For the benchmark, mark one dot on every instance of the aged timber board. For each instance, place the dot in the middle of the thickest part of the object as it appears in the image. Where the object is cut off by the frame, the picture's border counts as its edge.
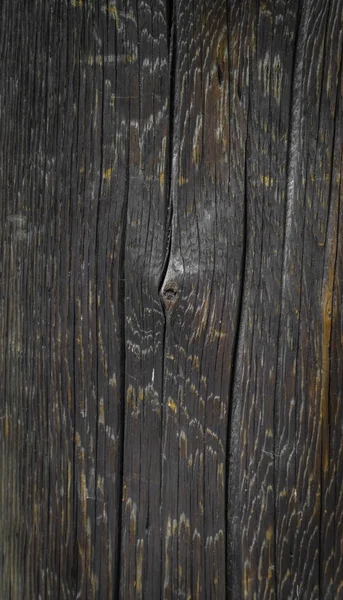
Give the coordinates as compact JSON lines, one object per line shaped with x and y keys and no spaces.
{"x":171,"y":360}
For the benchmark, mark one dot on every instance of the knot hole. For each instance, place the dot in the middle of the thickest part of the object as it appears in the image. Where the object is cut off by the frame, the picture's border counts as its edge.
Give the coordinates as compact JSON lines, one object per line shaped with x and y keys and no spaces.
{"x":170,"y":292}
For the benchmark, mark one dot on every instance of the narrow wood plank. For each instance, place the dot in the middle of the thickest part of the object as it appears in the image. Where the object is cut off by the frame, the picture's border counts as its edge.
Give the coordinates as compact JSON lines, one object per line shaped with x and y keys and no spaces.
{"x":63,"y":180}
{"x":270,"y":42}
{"x":309,"y":393}
{"x":200,"y":293}
{"x":148,"y":177}
{"x":282,"y":492}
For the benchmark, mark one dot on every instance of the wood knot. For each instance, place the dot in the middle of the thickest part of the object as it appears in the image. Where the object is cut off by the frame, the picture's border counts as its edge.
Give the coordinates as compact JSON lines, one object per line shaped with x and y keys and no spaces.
{"x":170,"y":292}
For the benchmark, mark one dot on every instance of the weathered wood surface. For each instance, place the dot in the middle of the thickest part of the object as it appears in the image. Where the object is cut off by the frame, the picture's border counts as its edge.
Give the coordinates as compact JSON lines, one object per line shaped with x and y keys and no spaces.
{"x":171,"y":361}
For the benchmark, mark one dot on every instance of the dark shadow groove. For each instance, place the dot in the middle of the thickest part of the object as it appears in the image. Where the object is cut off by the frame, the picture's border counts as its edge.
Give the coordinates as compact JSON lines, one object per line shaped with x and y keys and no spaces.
{"x":169,"y":157}
{"x":97,"y":276}
{"x":122,"y":362}
{"x":229,"y":416}
{"x":171,"y":32}
{"x":233,"y":377}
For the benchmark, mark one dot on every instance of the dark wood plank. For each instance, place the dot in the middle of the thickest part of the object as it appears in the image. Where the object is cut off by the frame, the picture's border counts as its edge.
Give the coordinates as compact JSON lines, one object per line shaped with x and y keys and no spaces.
{"x":143,"y":336}
{"x":309,"y":434}
{"x":282,"y":502}
{"x":270,"y":42}
{"x":201,"y":297}
{"x":74,"y":163}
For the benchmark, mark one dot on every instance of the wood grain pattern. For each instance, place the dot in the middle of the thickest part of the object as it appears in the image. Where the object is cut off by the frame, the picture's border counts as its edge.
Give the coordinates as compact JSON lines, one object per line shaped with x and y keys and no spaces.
{"x":147,"y":164}
{"x":171,"y":268}
{"x":270,"y":72}
{"x":202,"y":281}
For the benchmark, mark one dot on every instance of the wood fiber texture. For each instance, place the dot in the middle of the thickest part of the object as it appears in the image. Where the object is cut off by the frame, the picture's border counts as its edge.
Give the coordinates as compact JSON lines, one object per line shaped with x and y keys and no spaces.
{"x":171,"y":286}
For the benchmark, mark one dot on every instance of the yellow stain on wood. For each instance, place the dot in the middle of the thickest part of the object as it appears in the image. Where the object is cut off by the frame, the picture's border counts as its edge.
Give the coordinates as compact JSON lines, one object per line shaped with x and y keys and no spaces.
{"x":163,"y":150}
{"x":277,"y":78}
{"x":108,"y":174}
{"x":202,"y":314}
{"x":217,"y":334}
{"x":131,"y":399}
{"x":76,"y":3}
{"x":139,"y":571}
{"x":185,"y":528}
{"x":131,"y":509}
{"x":196,"y":154}
{"x":162,"y":179}
{"x":68,"y":503}
{"x":326,"y":342}
{"x":249,"y":580}
{"x":166,"y":547}
{"x":172,"y":405}
{"x":113,"y":381}
{"x":130,"y":58}
{"x":125,"y":494}
{"x":197,"y":138}
{"x":203,"y":380}
{"x":267,"y":181}
{"x":194,"y":389}
{"x":6,"y":425}
{"x":100,"y":484}
{"x":197,"y":591}
{"x":269,"y":537}
{"x":220,"y":477}
{"x":183,"y":444}
{"x":182,"y":180}
{"x":327,"y":316}
{"x":112,"y":11}
{"x":101,"y":411}
{"x":83,"y":494}
{"x":196,"y":362}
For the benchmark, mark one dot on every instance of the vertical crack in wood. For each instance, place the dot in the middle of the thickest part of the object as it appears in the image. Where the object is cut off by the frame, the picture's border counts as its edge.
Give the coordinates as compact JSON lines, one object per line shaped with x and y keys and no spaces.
{"x":325,"y":431}
{"x":232,"y":423}
{"x":171,"y":30}
{"x":169,"y":157}
{"x":229,"y":415}
{"x":331,"y":420}
{"x":122,"y":395}
{"x":97,"y":275}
